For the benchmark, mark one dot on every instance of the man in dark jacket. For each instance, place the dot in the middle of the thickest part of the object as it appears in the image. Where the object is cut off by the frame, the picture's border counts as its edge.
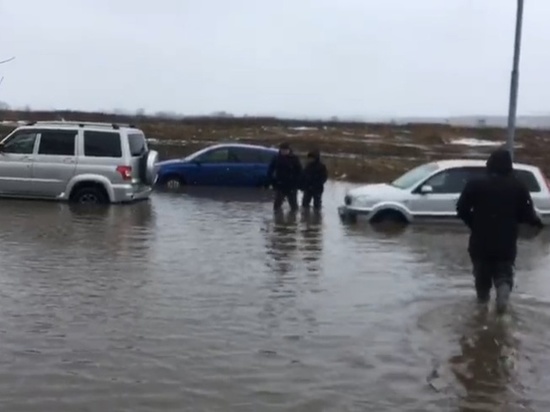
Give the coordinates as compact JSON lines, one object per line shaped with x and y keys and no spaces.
{"x":284,"y":175}
{"x":493,"y":207}
{"x":313,"y":180}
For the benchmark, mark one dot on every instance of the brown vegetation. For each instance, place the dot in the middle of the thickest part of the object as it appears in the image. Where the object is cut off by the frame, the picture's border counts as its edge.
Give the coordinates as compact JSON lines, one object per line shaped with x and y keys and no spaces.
{"x":354,"y":151}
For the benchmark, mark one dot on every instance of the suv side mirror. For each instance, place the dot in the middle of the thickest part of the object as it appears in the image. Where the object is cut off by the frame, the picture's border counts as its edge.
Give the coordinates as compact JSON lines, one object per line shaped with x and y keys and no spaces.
{"x":426,"y":189}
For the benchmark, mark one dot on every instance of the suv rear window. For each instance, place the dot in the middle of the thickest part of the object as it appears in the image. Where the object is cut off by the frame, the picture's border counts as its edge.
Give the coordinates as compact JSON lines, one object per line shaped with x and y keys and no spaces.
{"x":528,"y":179}
{"x":102,"y":144}
{"x":138,"y":144}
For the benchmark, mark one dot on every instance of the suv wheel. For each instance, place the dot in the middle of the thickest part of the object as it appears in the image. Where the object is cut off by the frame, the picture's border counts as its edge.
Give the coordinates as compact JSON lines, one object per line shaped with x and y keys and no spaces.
{"x":389,"y":215}
{"x":89,"y":196}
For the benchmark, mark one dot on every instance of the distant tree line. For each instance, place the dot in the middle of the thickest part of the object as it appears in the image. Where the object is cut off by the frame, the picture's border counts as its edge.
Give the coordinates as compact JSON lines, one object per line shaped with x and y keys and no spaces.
{"x":219,"y":118}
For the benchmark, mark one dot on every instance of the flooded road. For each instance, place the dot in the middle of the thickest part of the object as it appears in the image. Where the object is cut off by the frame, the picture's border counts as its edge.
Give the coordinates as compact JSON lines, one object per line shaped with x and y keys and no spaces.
{"x":204,"y":302}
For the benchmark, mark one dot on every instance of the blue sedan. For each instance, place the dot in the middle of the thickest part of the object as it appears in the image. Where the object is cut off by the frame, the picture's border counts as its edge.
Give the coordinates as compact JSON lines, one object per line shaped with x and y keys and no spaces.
{"x":237,"y":165}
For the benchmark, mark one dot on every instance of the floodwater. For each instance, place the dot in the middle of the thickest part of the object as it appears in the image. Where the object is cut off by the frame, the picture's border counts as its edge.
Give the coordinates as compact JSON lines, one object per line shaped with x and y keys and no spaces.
{"x":206,"y":301}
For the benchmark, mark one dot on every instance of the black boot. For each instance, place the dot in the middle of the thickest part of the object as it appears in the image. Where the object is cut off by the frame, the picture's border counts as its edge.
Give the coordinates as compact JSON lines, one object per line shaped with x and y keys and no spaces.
{"x":483,"y":297}
{"x":503,"y":295}
{"x":483,"y":293}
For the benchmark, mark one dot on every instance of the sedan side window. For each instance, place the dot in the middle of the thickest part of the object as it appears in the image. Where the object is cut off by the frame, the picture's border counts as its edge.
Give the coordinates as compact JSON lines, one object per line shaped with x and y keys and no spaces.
{"x":267,"y":156}
{"x":450,"y":181}
{"x":245,"y":155}
{"x":215,"y":156}
{"x":22,"y":143}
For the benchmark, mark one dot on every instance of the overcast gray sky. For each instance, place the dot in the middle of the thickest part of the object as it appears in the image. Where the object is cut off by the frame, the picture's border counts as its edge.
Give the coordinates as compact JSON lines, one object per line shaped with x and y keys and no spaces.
{"x":289,"y":57}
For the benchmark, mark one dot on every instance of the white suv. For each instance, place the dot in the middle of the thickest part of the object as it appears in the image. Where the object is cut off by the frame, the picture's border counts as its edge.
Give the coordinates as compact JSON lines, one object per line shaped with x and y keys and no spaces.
{"x":77,"y":161}
{"x":429,"y":192}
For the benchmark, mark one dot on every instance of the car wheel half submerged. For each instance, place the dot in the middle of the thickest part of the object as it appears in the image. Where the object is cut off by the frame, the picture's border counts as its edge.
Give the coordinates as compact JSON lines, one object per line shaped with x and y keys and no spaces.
{"x":389,"y":216}
{"x":172,"y":183}
{"x":89,"y":196}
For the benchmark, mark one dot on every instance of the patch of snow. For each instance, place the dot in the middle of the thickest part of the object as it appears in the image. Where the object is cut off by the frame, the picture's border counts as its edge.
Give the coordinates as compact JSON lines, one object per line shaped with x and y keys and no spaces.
{"x":470,"y":141}
{"x":302,"y":128}
{"x":372,"y":136}
{"x":473,"y":142}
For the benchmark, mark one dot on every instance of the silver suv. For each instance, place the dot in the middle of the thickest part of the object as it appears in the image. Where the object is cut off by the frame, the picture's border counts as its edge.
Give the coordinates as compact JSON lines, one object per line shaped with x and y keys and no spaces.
{"x":78,"y":162}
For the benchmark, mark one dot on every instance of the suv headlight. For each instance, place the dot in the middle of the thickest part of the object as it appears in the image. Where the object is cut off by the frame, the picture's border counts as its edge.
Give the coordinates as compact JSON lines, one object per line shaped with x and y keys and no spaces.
{"x":364,"y":201}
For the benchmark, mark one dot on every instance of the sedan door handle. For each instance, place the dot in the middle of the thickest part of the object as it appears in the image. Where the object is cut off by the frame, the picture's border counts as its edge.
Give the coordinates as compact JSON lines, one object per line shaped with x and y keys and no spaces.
{"x":68,"y":160}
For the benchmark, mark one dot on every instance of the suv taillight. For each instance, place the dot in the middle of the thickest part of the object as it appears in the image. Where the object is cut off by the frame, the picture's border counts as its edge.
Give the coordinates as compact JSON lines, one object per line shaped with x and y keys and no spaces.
{"x":125,"y":172}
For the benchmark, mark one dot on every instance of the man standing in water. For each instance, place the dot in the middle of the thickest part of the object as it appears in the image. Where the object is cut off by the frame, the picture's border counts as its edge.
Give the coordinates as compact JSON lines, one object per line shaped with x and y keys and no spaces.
{"x":493,"y":207}
{"x":313,"y":180}
{"x":284,"y":174}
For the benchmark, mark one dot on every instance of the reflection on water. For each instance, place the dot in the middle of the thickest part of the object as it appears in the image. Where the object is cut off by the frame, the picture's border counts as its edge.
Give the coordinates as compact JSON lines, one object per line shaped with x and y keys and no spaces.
{"x":283,"y":241}
{"x":485,"y":363}
{"x":312,"y":239}
{"x":207,"y":300}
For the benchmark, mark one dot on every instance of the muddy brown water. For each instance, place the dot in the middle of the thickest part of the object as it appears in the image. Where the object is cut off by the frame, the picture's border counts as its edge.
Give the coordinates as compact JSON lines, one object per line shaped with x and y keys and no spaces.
{"x":207,"y":301}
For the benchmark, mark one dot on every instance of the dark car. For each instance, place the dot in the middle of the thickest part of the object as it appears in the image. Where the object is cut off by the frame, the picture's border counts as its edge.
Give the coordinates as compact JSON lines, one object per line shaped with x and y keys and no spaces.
{"x":237,"y":165}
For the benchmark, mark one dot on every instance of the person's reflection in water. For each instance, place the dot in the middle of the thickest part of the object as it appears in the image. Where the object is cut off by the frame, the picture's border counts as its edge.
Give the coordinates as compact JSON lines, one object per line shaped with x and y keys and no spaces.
{"x":283,"y":240}
{"x":281,"y":246}
{"x":285,"y":314}
{"x":311,"y":230}
{"x":485,"y":365}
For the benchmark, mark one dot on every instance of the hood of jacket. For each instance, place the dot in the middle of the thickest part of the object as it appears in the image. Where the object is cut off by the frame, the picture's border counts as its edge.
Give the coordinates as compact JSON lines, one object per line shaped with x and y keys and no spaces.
{"x":314,"y":155}
{"x":500,"y":163}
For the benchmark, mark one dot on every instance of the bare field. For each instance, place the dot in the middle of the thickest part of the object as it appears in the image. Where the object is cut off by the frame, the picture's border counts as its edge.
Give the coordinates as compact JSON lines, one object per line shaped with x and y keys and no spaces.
{"x":360,"y":152}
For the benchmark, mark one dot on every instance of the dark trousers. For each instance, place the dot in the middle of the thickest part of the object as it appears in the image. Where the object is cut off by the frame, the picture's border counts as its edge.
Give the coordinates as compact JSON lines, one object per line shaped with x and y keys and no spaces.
{"x":489,"y":273}
{"x":315,"y":196}
{"x":281,"y":195}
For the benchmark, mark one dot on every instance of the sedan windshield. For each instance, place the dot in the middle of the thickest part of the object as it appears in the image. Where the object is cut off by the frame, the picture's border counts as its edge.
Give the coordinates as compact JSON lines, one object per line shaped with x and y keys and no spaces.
{"x":415,"y":175}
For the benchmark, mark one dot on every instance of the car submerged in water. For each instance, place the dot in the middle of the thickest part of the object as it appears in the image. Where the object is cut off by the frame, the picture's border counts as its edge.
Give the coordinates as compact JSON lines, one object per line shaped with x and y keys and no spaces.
{"x":232,"y":164}
{"x":430,"y":191}
{"x":79,"y":162}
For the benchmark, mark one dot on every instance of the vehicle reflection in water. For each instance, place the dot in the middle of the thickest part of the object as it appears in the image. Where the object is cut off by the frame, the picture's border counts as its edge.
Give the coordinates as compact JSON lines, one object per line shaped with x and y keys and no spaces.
{"x":221,"y":194}
{"x":122,"y":231}
{"x":92,"y":249}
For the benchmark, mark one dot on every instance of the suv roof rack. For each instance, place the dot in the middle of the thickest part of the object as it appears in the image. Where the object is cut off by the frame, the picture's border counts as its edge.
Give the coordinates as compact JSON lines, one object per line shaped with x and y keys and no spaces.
{"x":79,"y":124}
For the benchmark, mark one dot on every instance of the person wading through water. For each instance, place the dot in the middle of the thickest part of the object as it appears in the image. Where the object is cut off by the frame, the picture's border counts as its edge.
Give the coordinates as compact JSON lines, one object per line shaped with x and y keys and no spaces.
{"x":313,"y":180}
{"x":284,"y":174}
{"x":493,"y":207}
